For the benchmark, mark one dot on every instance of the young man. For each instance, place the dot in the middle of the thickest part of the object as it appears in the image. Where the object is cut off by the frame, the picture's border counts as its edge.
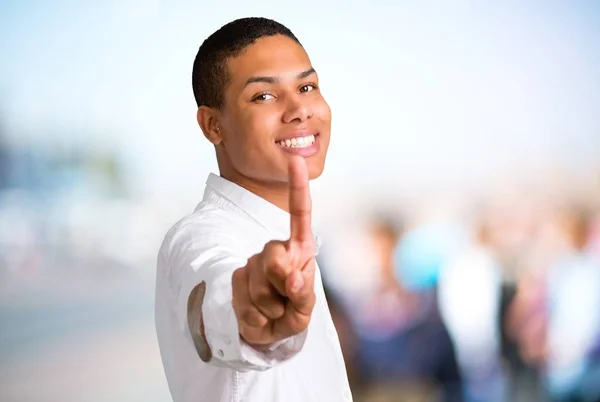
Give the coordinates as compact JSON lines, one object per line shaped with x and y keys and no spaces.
{"x":240,"y":307}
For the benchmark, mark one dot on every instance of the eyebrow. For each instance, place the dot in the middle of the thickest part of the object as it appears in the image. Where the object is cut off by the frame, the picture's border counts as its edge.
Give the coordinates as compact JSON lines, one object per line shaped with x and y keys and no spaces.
{"x":275,"y":80}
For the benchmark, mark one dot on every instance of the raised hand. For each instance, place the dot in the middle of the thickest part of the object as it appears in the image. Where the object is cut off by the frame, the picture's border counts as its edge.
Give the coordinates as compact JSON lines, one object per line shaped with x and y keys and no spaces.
{"x":273,"y":295}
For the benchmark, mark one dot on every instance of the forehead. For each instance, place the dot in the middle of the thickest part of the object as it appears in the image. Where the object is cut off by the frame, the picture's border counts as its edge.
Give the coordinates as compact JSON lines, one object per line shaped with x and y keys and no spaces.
{"x":269,"y":56}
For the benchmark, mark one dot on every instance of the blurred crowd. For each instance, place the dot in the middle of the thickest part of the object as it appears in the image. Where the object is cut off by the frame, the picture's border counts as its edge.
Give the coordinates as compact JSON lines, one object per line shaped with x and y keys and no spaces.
{"x":466,"y":298}
{"x":494,"y":300}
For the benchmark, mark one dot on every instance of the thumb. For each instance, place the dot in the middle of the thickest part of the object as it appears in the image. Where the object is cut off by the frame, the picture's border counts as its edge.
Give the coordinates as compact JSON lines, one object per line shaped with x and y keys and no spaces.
{"x":295,"y":283}
{"x":300,"y":302}
{"x":300,"y":287}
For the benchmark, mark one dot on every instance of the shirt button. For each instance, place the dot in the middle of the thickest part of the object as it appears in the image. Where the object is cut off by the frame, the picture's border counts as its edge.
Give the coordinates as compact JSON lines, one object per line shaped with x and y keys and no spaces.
{"x":221,"y":354}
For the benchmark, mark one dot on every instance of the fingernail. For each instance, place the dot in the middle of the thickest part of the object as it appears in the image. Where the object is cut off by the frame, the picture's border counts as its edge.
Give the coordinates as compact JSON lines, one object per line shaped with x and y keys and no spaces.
{"x":298,"y":282}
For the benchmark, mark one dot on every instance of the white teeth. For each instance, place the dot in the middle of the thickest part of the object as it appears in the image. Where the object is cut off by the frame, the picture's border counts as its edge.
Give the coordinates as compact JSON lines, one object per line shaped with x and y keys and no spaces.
{"x":298,"y":142}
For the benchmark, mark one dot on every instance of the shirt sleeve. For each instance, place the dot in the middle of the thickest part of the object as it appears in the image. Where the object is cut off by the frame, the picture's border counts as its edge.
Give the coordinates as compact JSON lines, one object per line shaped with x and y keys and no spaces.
{"x":198,"y":255}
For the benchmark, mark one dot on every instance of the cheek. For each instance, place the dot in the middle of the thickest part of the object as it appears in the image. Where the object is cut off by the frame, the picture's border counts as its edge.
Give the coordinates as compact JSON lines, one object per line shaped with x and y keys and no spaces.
{"x":322,"y":111}
{"x":254,"y":132}
{"x":260,"y":129}
{"x":262,"y":126}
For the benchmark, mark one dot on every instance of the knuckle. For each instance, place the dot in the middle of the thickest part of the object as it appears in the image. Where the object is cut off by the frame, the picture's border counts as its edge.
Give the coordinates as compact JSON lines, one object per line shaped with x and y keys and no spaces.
{"x":252,"y":317}
{"x":261,"y":295}
{"x":278,"y":265}
{"x":273,"y":311}
{"x":269,"y":304}
{"x":249,"y":334}
{"x":253,"y":261}
{"x":277,"y":311}
{"x":279,"y":260}
{"x":272,"y":247}
{"x":297,"y":324}
{"x":238,"y":276}
{"x":308,"y":302}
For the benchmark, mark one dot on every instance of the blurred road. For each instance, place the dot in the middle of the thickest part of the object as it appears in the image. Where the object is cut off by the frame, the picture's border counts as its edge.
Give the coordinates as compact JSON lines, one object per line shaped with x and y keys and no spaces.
{"x":84,"y":343}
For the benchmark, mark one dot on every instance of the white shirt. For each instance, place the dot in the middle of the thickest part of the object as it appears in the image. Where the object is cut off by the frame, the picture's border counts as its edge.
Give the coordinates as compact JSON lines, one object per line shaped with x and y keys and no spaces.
{"x":469,"y":302}
{"x":230,"y":225}
{"x":574,"y":321}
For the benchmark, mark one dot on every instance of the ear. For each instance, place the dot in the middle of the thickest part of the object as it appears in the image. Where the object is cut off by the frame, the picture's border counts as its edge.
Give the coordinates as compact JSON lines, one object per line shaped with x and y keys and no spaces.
{"x":208,"y":119}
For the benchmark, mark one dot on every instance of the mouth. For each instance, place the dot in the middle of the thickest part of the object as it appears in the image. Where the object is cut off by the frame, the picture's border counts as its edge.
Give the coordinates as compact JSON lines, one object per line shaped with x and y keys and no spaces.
{"x":298,"y":142}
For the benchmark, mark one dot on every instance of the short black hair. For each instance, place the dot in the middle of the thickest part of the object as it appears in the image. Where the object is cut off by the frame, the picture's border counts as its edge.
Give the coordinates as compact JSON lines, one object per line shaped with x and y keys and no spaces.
{"x":210,"y":75}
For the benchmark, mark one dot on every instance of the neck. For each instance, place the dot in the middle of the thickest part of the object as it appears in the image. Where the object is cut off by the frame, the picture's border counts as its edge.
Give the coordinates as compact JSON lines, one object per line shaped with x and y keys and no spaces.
{"x":277,"y":193}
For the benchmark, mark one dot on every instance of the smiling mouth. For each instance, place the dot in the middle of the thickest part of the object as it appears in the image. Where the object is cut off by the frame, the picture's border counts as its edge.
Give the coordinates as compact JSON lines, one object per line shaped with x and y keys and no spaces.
{"x":298,"y":142}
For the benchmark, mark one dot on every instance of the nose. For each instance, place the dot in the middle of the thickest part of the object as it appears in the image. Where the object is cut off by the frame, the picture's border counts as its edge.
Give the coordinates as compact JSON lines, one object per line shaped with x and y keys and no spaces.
{"x":297,"y":109}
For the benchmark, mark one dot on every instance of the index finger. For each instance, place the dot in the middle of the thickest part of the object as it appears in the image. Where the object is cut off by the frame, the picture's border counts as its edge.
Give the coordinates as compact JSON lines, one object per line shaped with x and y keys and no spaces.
{"x":300,"y":203}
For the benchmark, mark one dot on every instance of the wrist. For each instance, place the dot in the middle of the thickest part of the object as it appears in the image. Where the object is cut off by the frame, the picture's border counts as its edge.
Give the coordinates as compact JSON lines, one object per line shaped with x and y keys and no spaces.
{"x":264,"y":347}
{"x":261,"y":347}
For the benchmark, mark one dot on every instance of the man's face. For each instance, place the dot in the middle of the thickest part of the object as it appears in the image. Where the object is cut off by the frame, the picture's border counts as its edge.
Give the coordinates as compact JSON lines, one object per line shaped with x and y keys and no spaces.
{"x":273,"y":108}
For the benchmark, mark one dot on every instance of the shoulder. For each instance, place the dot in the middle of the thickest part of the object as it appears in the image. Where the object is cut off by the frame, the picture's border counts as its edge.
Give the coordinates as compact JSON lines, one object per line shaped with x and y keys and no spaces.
{"x":209,"y":226}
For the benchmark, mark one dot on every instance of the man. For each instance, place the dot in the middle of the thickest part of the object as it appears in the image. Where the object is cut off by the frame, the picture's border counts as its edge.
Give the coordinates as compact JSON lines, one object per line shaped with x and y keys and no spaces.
{"x":240,"y":307}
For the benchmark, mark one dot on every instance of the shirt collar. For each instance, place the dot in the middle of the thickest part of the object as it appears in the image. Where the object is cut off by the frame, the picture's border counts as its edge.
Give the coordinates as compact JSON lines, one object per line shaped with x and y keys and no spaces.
{"x":234,"y":197}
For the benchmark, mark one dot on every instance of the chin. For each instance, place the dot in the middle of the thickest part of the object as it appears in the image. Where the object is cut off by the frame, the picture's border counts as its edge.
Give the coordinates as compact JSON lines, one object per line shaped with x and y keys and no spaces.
{"x":315,"y":170}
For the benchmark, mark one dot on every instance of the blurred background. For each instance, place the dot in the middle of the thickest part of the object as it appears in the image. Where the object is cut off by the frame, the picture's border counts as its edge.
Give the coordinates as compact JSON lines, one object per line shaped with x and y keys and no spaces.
{"x":459,"y":211}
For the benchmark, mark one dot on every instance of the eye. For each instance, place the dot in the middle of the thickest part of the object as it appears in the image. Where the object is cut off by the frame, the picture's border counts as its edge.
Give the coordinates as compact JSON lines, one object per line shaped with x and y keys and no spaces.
{"x":308,"y":88}
{"x":263,"y":97}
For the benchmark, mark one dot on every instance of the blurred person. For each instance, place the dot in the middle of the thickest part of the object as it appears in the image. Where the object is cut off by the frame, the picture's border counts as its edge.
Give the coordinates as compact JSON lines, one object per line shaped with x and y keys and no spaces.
{"x":525,"y":329}
{"x":555,"y":316}
{"x":345,"y":330}
{"x":524,"y":321}
{"x":573,"y":288}
{"x":469,"y":298}
{"x":401,"y":349}
{"x":240,"y":306}
{"x":520,"y":251}
{"x":425,"y":250}
{"x":527,"y":318}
